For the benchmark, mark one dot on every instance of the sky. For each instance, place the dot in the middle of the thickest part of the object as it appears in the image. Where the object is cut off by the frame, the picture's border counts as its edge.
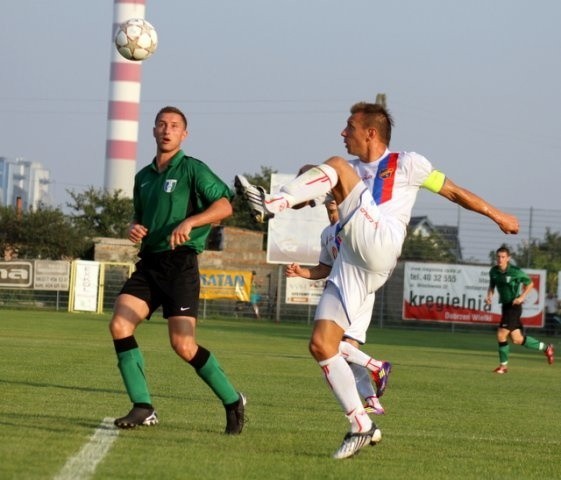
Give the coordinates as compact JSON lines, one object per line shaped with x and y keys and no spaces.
{"x":473,"y":86}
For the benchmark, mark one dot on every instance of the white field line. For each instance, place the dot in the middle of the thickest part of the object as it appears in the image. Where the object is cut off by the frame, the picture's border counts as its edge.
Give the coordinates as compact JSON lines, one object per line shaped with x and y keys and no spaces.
{"x":82,"y":465}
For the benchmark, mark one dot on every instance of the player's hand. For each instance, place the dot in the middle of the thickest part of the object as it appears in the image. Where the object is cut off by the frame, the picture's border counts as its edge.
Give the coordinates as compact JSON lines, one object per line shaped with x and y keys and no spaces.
{"x":137,"y":232}
{"x":508,"y":223}
{"x":292,"y":270}
{"x":180,"y":234}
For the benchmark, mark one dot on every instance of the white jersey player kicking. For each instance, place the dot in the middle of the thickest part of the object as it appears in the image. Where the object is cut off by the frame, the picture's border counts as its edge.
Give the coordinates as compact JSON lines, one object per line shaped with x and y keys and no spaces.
{"x":375,"y":194}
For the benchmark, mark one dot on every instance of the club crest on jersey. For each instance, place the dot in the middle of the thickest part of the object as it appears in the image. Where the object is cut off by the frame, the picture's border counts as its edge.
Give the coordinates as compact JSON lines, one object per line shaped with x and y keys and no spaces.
{"x":169,"y":186}
{"x":386,"y":173}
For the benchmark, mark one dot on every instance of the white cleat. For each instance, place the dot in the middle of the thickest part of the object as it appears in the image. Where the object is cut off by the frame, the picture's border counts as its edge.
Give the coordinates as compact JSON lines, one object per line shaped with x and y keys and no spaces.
{"x":353,"y":442}
{"x":255,"y":196}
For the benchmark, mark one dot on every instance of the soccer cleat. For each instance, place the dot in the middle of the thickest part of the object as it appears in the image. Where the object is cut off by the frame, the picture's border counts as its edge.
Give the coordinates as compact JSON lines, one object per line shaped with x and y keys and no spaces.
{"x":376,"y":437}
{"x":501,"y":369}
{"x":374,"y":406}
{"x":136,"y":417}
{"x":255,"y":196}
{"x":549,"y":351}
{"x":381,"y":377}
{"x":235,"y":416}
{"x":353,"y":442}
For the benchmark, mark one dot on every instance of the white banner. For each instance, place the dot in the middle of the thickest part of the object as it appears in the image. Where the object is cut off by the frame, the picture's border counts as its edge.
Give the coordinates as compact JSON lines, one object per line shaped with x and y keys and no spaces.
{"x":303,"y":291}
{"x":51,"y":275}
{"x":456,"y":293}
{"x":86,"y":285}
{"x":294,"y":235}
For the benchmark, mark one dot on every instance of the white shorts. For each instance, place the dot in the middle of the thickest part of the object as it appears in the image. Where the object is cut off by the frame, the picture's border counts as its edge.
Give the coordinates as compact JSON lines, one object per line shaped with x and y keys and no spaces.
{"x":367,"y":256}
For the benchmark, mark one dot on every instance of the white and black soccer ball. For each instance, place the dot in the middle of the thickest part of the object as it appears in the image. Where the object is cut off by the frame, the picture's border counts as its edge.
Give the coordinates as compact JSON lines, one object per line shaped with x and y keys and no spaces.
{"x":136,"y":39}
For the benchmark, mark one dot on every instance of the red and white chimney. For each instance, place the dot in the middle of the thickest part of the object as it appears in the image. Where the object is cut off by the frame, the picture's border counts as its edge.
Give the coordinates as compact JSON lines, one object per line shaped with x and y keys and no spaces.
{"x":123,"y":108}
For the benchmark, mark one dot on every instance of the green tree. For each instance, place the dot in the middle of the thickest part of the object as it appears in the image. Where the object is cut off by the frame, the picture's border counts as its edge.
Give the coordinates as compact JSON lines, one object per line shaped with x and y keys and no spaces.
{"x":10,"y":231}
{"x":241,"y":217}
{"x":101,"y":213}
{"x":41,"y":233}
{"x":544,"y":254}
{"x":431,"y":247}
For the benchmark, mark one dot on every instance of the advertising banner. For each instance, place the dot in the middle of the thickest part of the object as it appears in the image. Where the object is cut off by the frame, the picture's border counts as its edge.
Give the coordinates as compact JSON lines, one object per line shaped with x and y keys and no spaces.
{"x":302,"y":291}
{"x":16,"y":274}
{"x":456,"y":294}
{"x":86,"y":282}
{"x":228,"y":284}
{"x":51,"y":275}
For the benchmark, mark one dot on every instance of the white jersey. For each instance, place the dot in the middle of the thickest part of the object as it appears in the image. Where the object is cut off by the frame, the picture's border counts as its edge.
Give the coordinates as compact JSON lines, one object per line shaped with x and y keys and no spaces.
{"x":373,"y":222}
{"x":394,"y":181}
{"x":330,"y":243}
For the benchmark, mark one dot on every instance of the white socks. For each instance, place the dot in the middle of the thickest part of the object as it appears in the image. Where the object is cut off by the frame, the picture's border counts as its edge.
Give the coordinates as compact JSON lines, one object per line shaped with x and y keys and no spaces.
{"x":363,"y":381}
{"x":309,"y":185}
{"x":340,"y":379}
{"x":354,"y":355}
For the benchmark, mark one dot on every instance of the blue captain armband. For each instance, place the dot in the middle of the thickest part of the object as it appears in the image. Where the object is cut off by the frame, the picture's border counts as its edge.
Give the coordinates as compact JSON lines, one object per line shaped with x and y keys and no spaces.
{"x":434,"y":181}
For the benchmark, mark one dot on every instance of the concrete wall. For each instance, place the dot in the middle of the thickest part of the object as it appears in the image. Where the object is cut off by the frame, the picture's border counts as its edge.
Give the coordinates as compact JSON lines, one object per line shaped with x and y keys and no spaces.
{"x":242,"y":250}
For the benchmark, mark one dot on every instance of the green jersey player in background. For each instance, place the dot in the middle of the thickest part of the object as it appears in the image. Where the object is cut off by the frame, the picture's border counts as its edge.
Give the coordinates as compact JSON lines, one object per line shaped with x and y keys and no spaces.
{"x":513,"y":285}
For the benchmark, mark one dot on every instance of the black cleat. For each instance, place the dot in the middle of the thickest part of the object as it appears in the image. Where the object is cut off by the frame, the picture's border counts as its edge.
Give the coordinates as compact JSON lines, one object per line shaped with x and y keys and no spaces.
{"x":235,"y":416}
{"x":138,"y":416}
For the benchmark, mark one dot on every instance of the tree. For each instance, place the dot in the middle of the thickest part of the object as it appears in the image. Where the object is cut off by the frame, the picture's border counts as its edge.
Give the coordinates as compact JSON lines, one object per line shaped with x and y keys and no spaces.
{"x":431,"y":247}
{"x":42,"y":233}
{"x":242,"y":213}
{"x":542,"y":254}
{"x":101,"y":213}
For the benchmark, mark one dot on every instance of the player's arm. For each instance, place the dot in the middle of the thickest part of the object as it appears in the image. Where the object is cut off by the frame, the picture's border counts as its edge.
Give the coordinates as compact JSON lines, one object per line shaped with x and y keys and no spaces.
{"x":217,"y":211}
{"x":525,"y":291}
{"x":438,"y":183}
{"x":321,"y":270}
{"x":489,"y":297}
{"x":316,"y":272}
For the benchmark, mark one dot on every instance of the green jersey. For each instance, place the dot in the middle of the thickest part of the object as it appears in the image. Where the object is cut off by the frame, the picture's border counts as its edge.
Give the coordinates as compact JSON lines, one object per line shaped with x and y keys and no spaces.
{"x":162,"y":200}
{"x":508,"y":282}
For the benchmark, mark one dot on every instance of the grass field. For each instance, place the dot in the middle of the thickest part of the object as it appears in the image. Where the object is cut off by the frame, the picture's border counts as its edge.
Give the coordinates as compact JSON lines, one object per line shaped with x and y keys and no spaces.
{"x":447,"y":415}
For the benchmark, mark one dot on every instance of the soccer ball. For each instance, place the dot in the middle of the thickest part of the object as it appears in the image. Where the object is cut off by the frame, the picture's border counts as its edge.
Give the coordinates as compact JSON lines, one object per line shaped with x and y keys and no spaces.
{"x":136,"y":39}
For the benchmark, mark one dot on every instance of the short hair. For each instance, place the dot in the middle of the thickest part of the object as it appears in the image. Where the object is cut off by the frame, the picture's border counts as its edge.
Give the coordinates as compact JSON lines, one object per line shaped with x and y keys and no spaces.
{"x":504,"y":249}
{"x":376,"y":116}
{"x":170,"y":109}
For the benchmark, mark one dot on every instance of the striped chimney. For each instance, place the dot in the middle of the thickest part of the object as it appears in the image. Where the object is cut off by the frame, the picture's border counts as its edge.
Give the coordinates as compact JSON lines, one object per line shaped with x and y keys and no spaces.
{"x":123,"y":108}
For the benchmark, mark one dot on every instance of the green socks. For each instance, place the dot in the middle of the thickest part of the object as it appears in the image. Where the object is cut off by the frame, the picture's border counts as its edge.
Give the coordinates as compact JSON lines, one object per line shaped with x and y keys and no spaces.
{"x":533,"y":344}
{"x":131,"y":366}
{"x":504,"y":350}
{"x":208,"y":368}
